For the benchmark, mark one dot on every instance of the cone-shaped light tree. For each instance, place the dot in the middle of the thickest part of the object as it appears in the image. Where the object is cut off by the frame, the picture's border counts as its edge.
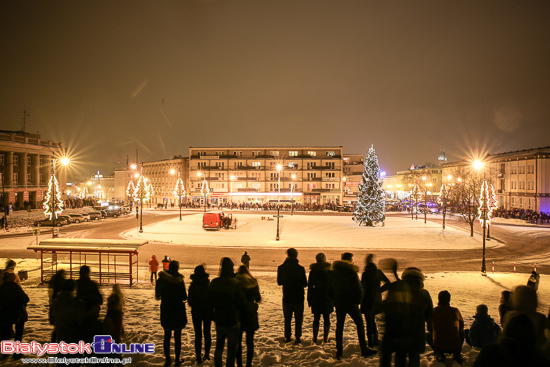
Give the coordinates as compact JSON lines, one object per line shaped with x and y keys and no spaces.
{"x":53,"y":203}
{"x":371,"y":199}
{"x":179,"y":192}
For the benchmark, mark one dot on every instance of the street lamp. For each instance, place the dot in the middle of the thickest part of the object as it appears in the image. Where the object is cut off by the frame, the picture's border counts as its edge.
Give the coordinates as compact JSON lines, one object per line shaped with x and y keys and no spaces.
{"x":142,"y":193}
{"x":179,"y":190}
{"x":293,"y":176}
{"x":426,"y":185}
{"x":279,"y":169}
{"x":444,"y":192}
{"x":231,"y":178}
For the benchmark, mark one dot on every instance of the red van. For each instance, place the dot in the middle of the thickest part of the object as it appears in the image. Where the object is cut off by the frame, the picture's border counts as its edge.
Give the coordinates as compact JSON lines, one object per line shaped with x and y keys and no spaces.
{"x":215,"y":221}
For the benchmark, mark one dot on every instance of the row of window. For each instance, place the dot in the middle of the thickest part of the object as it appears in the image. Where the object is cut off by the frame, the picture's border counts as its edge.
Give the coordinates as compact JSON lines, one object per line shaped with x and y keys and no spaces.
{"x":272,"y":186}
{"x":15,"y":178}
{"x":15,"y":160}
{"x":521,"y":185}
{"x":274,"y":153}
{"x":272,"y":165}
{"x":521,"y":169}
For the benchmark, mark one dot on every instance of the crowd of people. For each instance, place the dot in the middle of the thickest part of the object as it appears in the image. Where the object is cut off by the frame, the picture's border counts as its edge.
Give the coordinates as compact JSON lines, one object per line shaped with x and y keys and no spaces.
{"x":231,"y":301}
{"x":528,"y":215}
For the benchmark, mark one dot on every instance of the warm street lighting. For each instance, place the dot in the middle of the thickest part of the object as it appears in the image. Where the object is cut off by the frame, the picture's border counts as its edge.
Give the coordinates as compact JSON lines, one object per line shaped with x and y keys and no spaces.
{"x":204,"y":189}
{"x":293,"y":176}
{"x":142,"y":192}
{"x":279,"y":169}
{"x":484,"y":217}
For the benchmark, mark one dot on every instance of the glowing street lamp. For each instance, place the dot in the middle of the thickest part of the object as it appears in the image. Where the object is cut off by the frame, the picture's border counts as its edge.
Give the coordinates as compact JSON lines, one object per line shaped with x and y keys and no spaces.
{"x":293,"y":176}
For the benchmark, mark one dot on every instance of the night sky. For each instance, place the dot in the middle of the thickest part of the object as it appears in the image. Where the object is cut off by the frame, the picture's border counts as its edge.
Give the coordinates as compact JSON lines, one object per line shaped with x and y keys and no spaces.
{"x":410,"y":77}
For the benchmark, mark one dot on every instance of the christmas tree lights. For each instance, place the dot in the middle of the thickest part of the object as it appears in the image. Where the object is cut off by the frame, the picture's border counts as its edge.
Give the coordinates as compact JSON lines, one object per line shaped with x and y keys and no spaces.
{"x":53,"y":204}
{"x":371,"y":198}
{"x":485,"y":205}
{"x":179,"y":191}
{"x":142,"y":191}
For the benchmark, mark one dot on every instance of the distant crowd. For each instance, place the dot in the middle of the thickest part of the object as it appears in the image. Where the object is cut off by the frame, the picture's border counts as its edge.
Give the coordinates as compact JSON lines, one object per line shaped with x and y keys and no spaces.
{"x":528,"y":215}
{"x":231,"y":300}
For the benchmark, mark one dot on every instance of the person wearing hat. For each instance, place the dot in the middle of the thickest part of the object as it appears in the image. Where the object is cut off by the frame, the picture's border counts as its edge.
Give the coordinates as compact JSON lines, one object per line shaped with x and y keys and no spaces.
{"x":484,"y":330}
{"x":10,"y":268}
{"x":201,"y":312}
{"x":318,"y":295}
{"x":446,"y":329}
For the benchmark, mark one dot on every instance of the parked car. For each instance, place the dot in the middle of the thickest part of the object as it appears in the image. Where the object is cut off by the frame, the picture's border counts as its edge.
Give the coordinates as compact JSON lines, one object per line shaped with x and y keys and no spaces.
{"x":78,"y":217}
{"x":49,"y":223}
{"x":95,"y":215}
{"x":113,"y":213}
{"x":67,"y":218}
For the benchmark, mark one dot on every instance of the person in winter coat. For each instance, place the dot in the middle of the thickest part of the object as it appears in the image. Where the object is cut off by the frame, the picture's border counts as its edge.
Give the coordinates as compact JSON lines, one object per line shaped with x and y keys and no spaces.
{"x":201,"y":312}
{"x":516,"y":346}
{"x":67,"y":315}
{"x":245,"y":259}
{"x":88,"y":291}
{"x":319,"y":295}
{"x":13,"y":311}
{"x":54,"y":287}
{"x":292,"y":276}
{"x":228,"y":301}
{"x":484,"y":330}
{"x":249,"y":316}
{"x":170,"y":289}
{"x":524,"y":300}
{"x":371,"y":305}
{"x":153,"y":267}
{"x":347,"y":294}
{"x":112,"y":323}
{"x":10,"y":268}
{"x":505,"y":305}
{"x":407,"y":307}
{"x":446,"y":329}
{"x":534,"y":280}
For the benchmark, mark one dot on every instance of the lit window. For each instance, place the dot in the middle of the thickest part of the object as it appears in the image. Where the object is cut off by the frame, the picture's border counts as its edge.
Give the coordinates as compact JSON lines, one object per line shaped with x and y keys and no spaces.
{"x":293,"y":153}
{"x":312,"y":153}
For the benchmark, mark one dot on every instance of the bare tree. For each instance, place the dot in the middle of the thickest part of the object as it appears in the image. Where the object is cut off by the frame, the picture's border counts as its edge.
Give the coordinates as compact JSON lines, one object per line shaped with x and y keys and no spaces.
{"x":464,"y":194}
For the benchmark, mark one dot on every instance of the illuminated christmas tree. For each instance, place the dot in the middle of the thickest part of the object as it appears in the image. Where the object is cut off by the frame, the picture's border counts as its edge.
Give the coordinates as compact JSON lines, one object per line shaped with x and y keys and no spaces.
{"x":371,"y":199}
{"x":142,"y":191}
{"x":53,"y":203}
{"x":485,"y":205}
{"x":179,"y":191}
{"x":84,"y":192}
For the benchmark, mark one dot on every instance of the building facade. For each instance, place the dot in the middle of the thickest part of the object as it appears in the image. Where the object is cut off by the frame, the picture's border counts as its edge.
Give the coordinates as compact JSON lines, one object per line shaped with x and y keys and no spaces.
{"x":26,"y":165}
{"x":307,"y":175}
{"x":521,"y":178}
{"x":162,"y":174}
{"x":353,"y":173}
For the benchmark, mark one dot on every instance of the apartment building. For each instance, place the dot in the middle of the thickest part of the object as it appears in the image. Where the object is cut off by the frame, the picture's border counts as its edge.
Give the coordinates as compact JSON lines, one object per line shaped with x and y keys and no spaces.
{"x":26,"y":165}
{"x":162,"y":174}
{"x":307,"y":175}
{"x":353,"y":173}
{"x":521,"y":178}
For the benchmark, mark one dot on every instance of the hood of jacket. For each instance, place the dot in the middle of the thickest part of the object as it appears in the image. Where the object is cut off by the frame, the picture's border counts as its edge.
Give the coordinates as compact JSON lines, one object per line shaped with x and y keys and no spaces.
{"x":171,"y":277}
{"x":323,"y":266}
{"x":342,"y":265}
{"x":246,"y":281}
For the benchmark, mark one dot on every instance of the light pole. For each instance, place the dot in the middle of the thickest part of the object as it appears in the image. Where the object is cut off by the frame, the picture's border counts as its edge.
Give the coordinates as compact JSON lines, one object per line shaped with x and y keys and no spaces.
{"x":443,"y":197}
{"x":180,"y":189}
{"x":142,"y":191}
{"x":426,"y":185}
{"x":279,"y":169}
{"x":293,"y":176}
{"x":204,"y":189}
{"x":231,"y":178}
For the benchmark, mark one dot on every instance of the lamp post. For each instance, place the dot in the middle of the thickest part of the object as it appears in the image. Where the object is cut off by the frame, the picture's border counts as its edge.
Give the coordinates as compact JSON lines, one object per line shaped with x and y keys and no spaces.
{"x":179,"y":190}
{"x":204,"y":189}
{"x":293,"y":176}
{"x":231,"y":179}
{"x":142,"y":193}
{"x":443,"y":197}
{"x":279,"y":169}
{"x":426,"y":185}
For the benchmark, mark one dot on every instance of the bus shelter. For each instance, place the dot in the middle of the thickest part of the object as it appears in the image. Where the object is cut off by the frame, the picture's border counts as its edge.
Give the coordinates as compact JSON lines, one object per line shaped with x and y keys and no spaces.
{"x":112,"y":261}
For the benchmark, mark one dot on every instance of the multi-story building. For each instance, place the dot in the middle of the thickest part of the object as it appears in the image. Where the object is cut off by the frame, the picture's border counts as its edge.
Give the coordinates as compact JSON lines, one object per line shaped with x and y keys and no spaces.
{"x":26,"y":165}
{"x":521,"y":178}
{"x":307,"y":175}
{"x":353,"y":173}
{"x":162,"y":174}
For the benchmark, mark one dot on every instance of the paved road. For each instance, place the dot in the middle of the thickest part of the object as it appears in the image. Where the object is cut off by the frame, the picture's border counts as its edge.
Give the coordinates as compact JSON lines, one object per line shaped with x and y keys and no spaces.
{"x":524,"y":246}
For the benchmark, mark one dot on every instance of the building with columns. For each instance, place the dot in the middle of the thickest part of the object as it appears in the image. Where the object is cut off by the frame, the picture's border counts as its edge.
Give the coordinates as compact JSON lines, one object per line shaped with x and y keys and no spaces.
{"x":26,"y":164}
{"x":307,"y":175}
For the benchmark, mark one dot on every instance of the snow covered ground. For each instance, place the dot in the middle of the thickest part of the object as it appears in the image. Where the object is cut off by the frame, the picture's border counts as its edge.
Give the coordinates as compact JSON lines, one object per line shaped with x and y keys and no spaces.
{"x":141,"y":317}
{"x":301,"y":231}
{"x":142,"y":323}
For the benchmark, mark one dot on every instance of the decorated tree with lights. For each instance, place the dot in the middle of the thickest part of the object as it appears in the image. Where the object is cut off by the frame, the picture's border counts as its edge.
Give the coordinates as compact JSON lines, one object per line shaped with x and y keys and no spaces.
{"x":371,"y":198}
{"x":84,"y":192}
{"x":142,"y":191}
{"x":179,"y":191}
{"x":130,"y":190}
{"x":53,"y":203}
{"x":204,"y":191}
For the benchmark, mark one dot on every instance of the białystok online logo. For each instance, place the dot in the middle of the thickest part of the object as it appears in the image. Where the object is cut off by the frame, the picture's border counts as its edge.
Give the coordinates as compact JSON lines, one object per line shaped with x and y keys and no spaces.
{"x":102,"y":344}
